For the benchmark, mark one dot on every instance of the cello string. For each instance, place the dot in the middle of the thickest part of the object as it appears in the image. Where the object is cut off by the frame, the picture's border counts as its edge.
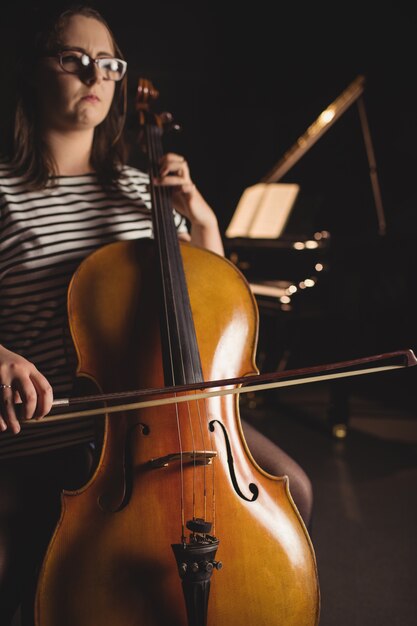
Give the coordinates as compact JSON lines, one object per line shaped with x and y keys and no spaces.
{"x":167,"y":232}
{"x":170,"y":234}
{"x":189,"y":350}
{"x":187,"y":345}
{"x":158,"y":198}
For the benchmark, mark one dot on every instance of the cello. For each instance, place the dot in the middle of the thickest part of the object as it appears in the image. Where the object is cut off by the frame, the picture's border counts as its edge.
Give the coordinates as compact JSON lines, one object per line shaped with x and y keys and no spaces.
{"x":178,"y":525}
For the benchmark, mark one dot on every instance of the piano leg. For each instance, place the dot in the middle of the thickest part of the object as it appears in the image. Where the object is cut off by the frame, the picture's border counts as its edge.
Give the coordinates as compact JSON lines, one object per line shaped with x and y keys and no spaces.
{"x":338,"y":411}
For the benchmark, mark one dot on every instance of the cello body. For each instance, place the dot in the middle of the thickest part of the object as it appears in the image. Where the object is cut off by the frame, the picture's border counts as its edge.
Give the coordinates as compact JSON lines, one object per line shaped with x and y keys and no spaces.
{"x":110,"y":561}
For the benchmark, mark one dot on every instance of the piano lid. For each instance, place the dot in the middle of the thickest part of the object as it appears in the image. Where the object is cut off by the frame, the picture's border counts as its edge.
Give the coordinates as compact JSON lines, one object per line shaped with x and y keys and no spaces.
{"x":324,"y":121}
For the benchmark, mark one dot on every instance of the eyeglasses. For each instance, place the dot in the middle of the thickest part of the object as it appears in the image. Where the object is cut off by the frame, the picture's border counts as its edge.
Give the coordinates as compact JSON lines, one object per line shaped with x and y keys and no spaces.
{"x":77,"y":62}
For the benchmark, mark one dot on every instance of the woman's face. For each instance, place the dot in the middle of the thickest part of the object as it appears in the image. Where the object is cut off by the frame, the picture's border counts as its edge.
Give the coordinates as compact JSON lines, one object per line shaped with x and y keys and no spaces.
{"x":75,"y":102}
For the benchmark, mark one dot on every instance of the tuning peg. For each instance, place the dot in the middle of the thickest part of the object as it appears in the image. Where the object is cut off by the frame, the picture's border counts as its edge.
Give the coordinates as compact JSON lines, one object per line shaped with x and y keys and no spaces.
{"x":168,"y":122}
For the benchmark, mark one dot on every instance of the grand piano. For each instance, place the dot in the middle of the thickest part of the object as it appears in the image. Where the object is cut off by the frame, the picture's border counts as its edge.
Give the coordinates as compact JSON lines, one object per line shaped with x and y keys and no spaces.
{"x":321,"y":297}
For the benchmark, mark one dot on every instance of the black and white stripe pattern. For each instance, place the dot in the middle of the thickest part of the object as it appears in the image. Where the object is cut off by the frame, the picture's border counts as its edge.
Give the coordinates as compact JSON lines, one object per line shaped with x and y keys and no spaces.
{"x":43,"y":237}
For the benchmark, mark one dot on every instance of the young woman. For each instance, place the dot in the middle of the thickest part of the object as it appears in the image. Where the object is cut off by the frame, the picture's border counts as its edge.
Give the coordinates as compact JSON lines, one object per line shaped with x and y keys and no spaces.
{"x":65,"y":190}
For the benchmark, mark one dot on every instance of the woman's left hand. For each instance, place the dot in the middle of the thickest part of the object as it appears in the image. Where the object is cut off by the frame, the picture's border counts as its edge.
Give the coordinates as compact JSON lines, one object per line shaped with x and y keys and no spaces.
{"x":187,"y":200}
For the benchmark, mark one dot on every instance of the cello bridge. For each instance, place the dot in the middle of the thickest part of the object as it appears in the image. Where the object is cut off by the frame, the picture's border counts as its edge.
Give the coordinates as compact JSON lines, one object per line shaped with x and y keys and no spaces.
{"x":197,"y":457}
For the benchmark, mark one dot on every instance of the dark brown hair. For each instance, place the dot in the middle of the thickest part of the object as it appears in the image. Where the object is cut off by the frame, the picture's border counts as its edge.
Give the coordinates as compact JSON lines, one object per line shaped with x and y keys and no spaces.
{"x":29,"y":156}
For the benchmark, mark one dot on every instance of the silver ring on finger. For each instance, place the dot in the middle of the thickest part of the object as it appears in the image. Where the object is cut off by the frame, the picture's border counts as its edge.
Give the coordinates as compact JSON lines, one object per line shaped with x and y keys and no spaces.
{"x":3,"y":386}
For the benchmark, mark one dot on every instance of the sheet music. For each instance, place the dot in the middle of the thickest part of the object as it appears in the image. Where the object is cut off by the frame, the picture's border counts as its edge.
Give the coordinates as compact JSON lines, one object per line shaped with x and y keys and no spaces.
{"x":263,"y":211}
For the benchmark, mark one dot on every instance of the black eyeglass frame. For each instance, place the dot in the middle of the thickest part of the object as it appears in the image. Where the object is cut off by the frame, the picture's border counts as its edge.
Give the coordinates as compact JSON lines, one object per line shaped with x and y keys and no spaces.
{"x":59,"y":55}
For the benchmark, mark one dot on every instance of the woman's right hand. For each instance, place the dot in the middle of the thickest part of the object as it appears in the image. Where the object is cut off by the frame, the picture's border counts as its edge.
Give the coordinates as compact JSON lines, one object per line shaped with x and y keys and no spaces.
{"x":21,"y":383}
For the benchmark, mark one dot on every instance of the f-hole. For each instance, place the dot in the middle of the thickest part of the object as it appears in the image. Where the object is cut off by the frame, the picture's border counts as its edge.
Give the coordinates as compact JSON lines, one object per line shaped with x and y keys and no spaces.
{"x":252,"y":487}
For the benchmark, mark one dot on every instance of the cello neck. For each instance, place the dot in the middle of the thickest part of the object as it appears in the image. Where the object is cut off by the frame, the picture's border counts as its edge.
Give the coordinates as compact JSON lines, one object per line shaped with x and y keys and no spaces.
{"x":181,"y":359}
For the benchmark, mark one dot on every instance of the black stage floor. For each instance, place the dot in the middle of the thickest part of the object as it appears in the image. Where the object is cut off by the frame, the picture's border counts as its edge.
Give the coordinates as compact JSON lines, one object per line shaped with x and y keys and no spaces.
{"x":365,"y":488}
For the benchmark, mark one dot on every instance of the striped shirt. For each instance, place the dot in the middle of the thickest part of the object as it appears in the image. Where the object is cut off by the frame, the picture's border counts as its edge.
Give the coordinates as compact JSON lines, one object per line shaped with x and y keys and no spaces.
{"x":44,"y":235}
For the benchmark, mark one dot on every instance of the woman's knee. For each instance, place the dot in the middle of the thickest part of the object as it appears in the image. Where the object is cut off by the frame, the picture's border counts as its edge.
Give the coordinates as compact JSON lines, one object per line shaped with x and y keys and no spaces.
{"x":301,"y":490}
{"x":275,"y":461}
